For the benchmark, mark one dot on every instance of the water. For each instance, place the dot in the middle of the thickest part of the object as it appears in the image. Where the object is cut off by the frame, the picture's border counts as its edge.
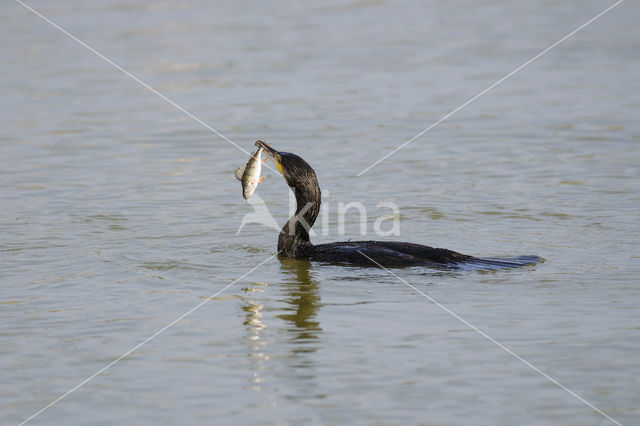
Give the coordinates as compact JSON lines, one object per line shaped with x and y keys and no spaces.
{"x":119,"y":212}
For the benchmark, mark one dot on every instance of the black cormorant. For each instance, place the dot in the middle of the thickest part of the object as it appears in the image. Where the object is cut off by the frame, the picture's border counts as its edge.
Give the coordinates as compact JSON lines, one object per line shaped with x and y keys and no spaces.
{"x":294,"y":242}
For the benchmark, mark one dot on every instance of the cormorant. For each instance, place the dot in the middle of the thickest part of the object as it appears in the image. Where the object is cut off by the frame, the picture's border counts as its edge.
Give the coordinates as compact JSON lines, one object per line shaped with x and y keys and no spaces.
{"x":293,"y":241}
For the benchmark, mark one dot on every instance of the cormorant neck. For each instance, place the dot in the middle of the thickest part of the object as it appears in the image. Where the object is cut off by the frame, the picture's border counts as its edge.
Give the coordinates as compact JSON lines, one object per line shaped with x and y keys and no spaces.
{"x":294,"y":237}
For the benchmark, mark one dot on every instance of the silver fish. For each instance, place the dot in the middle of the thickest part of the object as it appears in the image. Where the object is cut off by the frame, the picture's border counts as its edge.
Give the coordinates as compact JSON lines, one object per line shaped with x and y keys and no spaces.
{"x":250,"y":175}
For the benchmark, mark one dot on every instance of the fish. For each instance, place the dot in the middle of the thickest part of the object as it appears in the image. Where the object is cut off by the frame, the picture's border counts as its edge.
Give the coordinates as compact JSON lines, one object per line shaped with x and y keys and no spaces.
{"x":250,"y":175}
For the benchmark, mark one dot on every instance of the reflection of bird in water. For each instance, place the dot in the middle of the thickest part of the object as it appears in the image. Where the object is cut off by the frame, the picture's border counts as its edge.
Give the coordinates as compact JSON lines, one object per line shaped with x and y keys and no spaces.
{"x":302,"y":304}
{"x":303,"y":299}
{"x":294,"y":237}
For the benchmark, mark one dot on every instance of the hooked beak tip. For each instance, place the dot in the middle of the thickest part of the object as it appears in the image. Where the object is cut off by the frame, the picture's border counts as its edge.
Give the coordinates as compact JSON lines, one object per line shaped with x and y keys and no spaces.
{"x":266,"y":148}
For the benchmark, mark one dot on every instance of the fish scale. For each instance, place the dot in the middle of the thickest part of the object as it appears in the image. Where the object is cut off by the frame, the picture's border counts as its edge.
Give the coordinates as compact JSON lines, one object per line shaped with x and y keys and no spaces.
{"x":250,"y":175}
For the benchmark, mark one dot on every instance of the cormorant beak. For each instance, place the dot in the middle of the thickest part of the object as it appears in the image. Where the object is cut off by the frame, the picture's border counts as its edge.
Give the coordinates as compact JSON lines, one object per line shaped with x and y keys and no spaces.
{"x":274,"y":154}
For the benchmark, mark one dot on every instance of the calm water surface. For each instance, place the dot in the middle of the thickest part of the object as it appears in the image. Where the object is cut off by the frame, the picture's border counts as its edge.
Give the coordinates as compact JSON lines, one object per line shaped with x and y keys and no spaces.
{"x":119,"y":212}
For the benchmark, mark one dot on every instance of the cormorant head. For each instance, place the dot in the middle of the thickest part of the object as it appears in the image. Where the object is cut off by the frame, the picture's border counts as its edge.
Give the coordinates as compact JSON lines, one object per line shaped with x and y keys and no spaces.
{"x":293,"y":240}
{"x":297,"y":172}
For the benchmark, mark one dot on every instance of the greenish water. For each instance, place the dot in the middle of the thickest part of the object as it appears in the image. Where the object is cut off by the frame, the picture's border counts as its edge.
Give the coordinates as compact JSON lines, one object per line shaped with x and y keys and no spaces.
{"x":119,"y":213}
